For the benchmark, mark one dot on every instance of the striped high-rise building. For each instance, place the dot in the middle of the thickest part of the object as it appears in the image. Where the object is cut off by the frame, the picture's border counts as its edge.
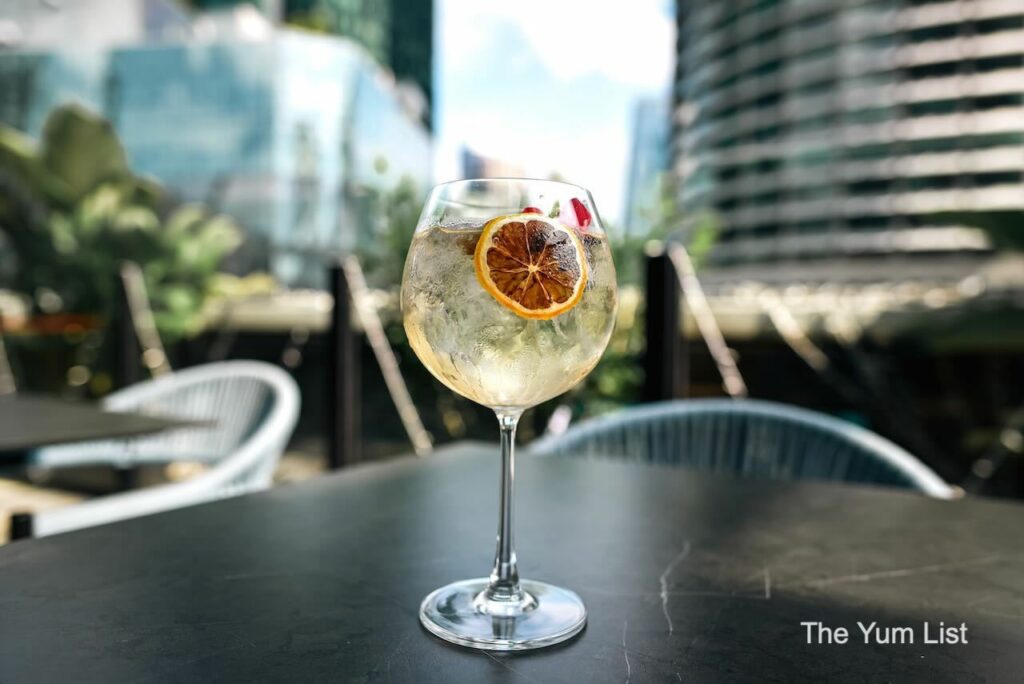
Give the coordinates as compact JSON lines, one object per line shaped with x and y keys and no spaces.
{"x":838,"y":138}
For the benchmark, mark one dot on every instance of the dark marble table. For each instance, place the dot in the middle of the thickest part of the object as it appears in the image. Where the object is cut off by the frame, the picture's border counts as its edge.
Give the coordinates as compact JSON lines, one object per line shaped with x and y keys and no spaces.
{"x":30,"y":421}
{"x":687,"y":577}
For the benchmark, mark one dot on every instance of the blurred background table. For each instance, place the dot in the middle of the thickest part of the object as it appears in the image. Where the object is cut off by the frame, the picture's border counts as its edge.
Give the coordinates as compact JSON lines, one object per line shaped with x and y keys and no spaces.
{"x":30,"y":421}
{"x":686,"y":576}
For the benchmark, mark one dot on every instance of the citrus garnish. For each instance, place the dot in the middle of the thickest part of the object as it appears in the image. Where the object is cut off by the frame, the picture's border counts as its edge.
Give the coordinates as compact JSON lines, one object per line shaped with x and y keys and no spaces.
{"x":531,"y":264}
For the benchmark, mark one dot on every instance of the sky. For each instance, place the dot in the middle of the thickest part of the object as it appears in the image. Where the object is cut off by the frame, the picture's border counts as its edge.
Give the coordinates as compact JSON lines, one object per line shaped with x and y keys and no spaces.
{"x":549,"y":85}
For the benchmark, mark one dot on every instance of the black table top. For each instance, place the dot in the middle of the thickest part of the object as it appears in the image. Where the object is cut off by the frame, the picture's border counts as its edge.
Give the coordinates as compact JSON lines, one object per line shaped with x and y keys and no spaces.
{"x":30,"y":421}
{"x":687,"y":577}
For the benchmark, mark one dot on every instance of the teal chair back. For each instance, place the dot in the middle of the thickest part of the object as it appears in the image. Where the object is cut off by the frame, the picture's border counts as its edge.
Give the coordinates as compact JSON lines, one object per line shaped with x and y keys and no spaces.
{"x":747,"y":438}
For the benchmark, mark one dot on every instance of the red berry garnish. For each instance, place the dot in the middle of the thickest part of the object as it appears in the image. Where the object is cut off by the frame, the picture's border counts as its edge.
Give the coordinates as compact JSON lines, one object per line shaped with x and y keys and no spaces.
{"x":531,"y":210}
{"x":582,"y":213}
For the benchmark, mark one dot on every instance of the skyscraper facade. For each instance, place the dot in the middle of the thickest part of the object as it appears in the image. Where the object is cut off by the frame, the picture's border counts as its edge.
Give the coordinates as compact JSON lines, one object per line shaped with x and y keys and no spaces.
{"x":411,"y":46}
{"x":824,"y":132}
{"x":368,"y":22}
{"x":398,"y":33}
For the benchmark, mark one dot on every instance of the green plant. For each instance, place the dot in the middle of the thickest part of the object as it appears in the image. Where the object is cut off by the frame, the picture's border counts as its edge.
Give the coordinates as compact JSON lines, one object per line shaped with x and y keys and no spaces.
{"x":395,"y":212}
{"x":72,"y":210}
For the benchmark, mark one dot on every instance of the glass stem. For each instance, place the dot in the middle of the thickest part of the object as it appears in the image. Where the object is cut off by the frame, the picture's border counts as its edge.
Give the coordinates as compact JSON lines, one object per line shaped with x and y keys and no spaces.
{"x":504,"y":585}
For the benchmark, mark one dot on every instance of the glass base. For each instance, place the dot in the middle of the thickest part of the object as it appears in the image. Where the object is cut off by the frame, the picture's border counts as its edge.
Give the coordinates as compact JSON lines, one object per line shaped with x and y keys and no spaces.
{"x":547,"y":615}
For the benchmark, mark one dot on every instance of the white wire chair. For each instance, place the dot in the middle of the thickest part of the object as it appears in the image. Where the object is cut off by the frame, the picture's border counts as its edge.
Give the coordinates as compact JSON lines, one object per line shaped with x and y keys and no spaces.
{"x":247,"y":411}
{"x":748,"y":438}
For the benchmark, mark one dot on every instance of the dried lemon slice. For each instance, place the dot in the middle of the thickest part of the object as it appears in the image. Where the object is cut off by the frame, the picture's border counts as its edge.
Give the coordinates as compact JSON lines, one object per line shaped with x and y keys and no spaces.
{"x":531,"y":264}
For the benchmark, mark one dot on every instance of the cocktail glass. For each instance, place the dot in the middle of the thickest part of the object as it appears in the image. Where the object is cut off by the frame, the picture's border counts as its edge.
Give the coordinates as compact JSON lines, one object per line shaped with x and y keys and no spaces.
{"x":509,"y":299}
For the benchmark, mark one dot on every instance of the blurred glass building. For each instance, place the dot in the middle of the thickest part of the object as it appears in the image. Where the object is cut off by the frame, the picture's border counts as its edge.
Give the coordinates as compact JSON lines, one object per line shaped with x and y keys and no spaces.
{"x":283,"y":130}
{"x":849,"y":128}
{"x":35,"y":77}
{"x":648,"y":161}
{"x":36,"y":82}
{"x":44,"y":23}
{"x":398,"y":34}
{"x":365,"y":21}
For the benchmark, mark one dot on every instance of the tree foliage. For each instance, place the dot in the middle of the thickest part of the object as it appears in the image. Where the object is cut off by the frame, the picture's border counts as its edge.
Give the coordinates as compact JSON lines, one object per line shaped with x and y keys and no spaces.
{"x":71,"y":211}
